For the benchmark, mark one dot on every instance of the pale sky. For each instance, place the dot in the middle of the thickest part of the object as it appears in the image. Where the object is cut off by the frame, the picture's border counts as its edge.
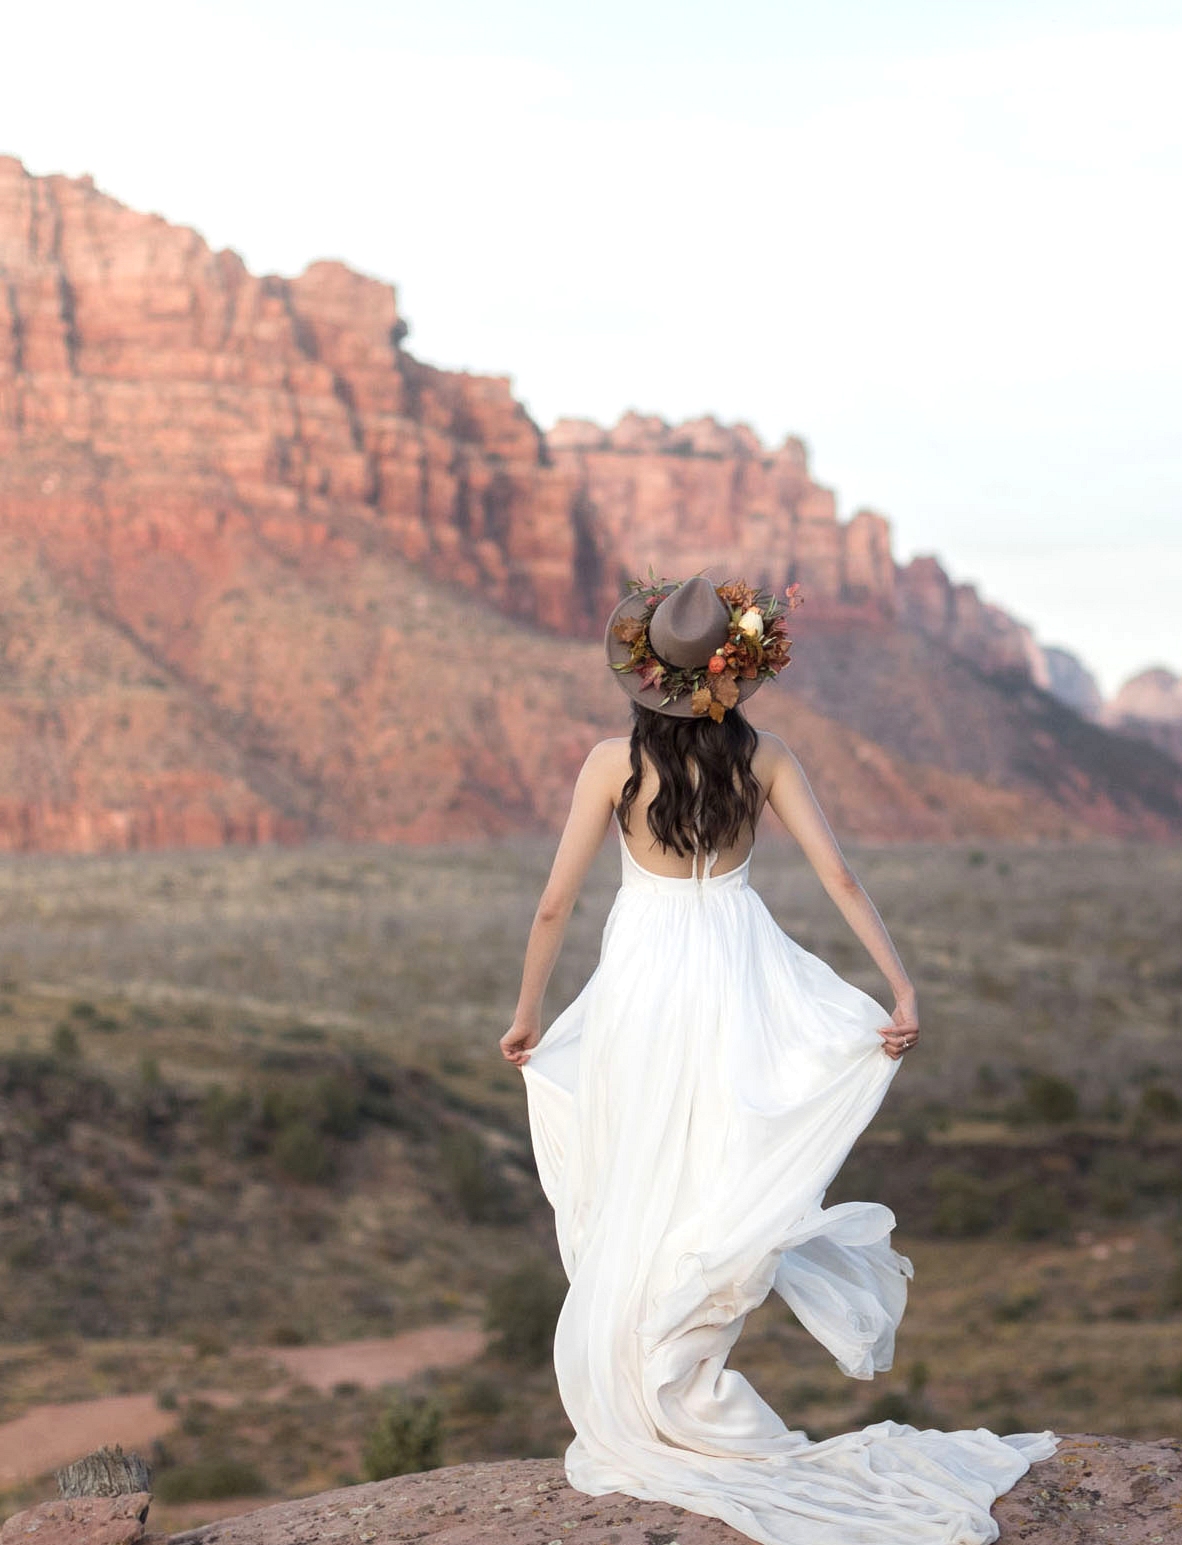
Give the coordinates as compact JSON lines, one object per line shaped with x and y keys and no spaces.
{"x":940,"y":241}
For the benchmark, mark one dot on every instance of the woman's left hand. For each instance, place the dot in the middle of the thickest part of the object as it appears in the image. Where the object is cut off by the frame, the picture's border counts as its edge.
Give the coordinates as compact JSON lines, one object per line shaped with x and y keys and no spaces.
{"x":902,"y":1032}
{"x":519,"y":1040}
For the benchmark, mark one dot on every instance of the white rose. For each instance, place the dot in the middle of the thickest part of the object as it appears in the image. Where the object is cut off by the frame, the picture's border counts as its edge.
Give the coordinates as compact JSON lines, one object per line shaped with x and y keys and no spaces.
{"x":751,"y":623}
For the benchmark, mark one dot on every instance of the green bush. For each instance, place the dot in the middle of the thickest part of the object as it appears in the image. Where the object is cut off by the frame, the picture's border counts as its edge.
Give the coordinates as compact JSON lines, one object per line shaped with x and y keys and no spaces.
{"x":223,"y":1110}
{"x":1049,"y":1098}
{"x":965,"y":1205}
{"x":482,"y":1396}
{"x":65,"y":1043}
{"x":301,"y":1152}
{"x":207,"y":1480}
{"x":471,"y":1175}
{"x":1160,"y":1103}
{"x":523,"y":1309}
{"x":406,"y":1440}
{"x":1039,"y":1213}
{"x":1019,"y":1306}
{"x":328,"y":1102}
{"x":894,"y":1406}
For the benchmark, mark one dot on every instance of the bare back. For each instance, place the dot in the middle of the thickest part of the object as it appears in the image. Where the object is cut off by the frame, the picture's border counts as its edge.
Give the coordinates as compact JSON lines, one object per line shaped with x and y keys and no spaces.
{"x":639,"y":840}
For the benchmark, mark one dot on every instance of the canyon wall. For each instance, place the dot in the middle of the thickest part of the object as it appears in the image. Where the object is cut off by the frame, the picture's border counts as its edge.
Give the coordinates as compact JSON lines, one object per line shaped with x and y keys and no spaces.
{"x":264,"y":575}
{"x":144,"y":374}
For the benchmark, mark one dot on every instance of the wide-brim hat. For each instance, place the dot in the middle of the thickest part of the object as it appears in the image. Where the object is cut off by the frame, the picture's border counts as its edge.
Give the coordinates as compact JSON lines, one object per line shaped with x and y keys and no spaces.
{"x":684,"y":630}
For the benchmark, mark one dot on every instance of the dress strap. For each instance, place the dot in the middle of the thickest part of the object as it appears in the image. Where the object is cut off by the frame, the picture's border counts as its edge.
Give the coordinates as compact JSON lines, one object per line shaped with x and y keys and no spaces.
{"x":708,"y":862}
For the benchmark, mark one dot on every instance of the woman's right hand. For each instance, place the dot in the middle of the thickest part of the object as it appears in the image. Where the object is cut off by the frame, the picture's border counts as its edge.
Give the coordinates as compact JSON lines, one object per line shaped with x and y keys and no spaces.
{"x":903,"y":1031}
{"x":519,"y":1040}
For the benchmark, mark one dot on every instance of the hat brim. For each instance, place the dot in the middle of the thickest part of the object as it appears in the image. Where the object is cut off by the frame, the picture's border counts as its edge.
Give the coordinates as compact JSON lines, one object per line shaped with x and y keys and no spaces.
{"x":635,"y":605}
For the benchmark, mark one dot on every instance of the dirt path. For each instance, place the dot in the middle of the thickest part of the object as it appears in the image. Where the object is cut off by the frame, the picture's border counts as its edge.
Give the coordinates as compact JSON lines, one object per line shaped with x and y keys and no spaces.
{"x":374,"y":1363}
{"x":51,"y":1435}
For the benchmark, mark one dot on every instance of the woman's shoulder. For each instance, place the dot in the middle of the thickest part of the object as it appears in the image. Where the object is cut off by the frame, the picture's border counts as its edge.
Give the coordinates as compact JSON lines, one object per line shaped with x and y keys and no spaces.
{"x":607,"y":756}
{"x":771,"y":748}
{"x":614,"y":747}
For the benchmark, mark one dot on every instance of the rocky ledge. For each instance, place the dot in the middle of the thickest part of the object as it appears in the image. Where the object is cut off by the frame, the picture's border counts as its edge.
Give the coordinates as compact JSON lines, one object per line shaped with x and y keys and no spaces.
{"x":1094,"y":1491}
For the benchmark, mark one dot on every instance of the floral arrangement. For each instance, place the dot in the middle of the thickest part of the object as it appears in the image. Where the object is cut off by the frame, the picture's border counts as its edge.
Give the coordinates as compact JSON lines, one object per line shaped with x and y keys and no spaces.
{"x":757,"y":645}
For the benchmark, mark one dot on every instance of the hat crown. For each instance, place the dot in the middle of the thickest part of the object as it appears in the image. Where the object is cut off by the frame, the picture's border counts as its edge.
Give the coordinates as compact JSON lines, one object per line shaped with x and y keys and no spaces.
{"x":689,"y":624}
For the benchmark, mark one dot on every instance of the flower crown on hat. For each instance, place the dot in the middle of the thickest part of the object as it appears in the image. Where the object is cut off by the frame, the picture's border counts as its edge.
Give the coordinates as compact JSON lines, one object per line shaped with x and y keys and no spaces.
{"x":756,"y":648}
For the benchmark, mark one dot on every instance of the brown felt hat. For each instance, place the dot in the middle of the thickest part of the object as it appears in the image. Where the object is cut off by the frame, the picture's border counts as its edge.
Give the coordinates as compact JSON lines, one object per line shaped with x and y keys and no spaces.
{"x":684,"y":630}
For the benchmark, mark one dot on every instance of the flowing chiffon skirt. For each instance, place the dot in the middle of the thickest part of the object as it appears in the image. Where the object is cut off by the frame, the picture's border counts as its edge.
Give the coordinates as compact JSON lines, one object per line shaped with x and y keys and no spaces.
{"x":688,"y":1111}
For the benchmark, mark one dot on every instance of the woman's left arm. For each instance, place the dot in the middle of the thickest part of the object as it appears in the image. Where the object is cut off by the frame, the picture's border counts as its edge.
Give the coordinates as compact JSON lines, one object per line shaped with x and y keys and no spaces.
{"x":591,"y":809}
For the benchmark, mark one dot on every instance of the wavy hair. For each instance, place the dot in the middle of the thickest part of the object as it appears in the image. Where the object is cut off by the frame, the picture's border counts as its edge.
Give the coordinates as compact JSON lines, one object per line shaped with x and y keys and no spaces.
{"x":711,"y":810}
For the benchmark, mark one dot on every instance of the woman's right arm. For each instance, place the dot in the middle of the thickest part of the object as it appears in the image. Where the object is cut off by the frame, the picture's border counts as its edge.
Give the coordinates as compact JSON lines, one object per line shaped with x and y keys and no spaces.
{"x":794,"y":803}
{"x":591,"y":809}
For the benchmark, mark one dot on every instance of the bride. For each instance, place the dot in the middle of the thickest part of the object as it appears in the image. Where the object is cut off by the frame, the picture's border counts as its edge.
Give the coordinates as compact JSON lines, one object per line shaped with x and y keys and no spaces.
{"x":689,"y":1109}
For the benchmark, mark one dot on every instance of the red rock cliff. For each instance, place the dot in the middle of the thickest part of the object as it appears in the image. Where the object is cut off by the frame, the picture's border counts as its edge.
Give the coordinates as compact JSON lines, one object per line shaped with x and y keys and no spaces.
{"x":136,"y":360}
{"x":227,"y":507}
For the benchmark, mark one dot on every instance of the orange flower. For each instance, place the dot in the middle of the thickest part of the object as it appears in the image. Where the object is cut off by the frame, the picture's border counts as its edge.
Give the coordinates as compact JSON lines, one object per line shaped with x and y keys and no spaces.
{"x":717,"y":664}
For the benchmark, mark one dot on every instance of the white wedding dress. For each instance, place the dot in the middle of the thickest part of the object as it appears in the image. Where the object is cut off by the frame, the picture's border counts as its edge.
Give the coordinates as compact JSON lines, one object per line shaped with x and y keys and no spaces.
{"x":688,"y":1111}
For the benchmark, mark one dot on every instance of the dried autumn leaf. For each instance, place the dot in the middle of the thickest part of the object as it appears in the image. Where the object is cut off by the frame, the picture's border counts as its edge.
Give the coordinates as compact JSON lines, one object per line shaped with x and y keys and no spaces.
{"x":702,"y":701}
{"x":628,"y":629}
{"x":726,"y":691}
{"x":717,"y":711}
{"x":651,"y":673}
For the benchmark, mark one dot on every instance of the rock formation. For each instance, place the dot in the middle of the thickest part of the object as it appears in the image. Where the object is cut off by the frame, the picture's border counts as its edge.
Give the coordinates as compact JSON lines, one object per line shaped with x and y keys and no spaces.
{"x":1092,"y":1491}
{"x":1071,"y":682}
{"x":1149,"y":706}
{"x":265,"y":576}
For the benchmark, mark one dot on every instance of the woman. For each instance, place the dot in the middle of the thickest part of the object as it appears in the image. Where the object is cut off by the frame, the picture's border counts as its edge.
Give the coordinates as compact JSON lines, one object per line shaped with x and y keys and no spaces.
{"x":690,"y":1108}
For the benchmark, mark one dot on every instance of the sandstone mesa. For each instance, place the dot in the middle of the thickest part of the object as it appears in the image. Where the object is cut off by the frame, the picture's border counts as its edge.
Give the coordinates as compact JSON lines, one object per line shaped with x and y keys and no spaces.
{"x":232,"y":509}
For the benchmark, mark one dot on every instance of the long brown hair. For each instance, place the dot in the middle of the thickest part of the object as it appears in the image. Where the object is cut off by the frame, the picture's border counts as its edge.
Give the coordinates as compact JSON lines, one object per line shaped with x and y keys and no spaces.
{"x":711,"y":811}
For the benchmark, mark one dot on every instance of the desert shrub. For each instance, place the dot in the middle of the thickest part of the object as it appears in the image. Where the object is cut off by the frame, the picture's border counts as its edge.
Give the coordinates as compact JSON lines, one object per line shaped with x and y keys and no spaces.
{"x":989,"y":1081}
{"x":965,"y":1205}
{"x":226,"y":1114}
{"x":1158,"y":1178}
{"x":328,"y":1102}
{"x":86,"y":1014}
{"x":1049,"y":1098}
{"x":482,"y":1396}
{"x":407,"y":1439}
{"x":287,"y":1335}
{"x":1019,"y":1306}
{"x":1038,"y":1213}
{"x":471,"y":1175}
{"x":301,"y":1152}
{"x":1112,"y":1107}
{"x":206,"y":1480}
{"x":523,"y":1309}
{"x":893,"y":1406}
{"x":65,"y":1043}
{"x":1160,"y":1103}
{"x":307,"y":1034}
{"x":335,"y":1105}
{"x":915,"y":1127}
{"x":1110,"y":1185}
{"x":1172,"y":1294}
